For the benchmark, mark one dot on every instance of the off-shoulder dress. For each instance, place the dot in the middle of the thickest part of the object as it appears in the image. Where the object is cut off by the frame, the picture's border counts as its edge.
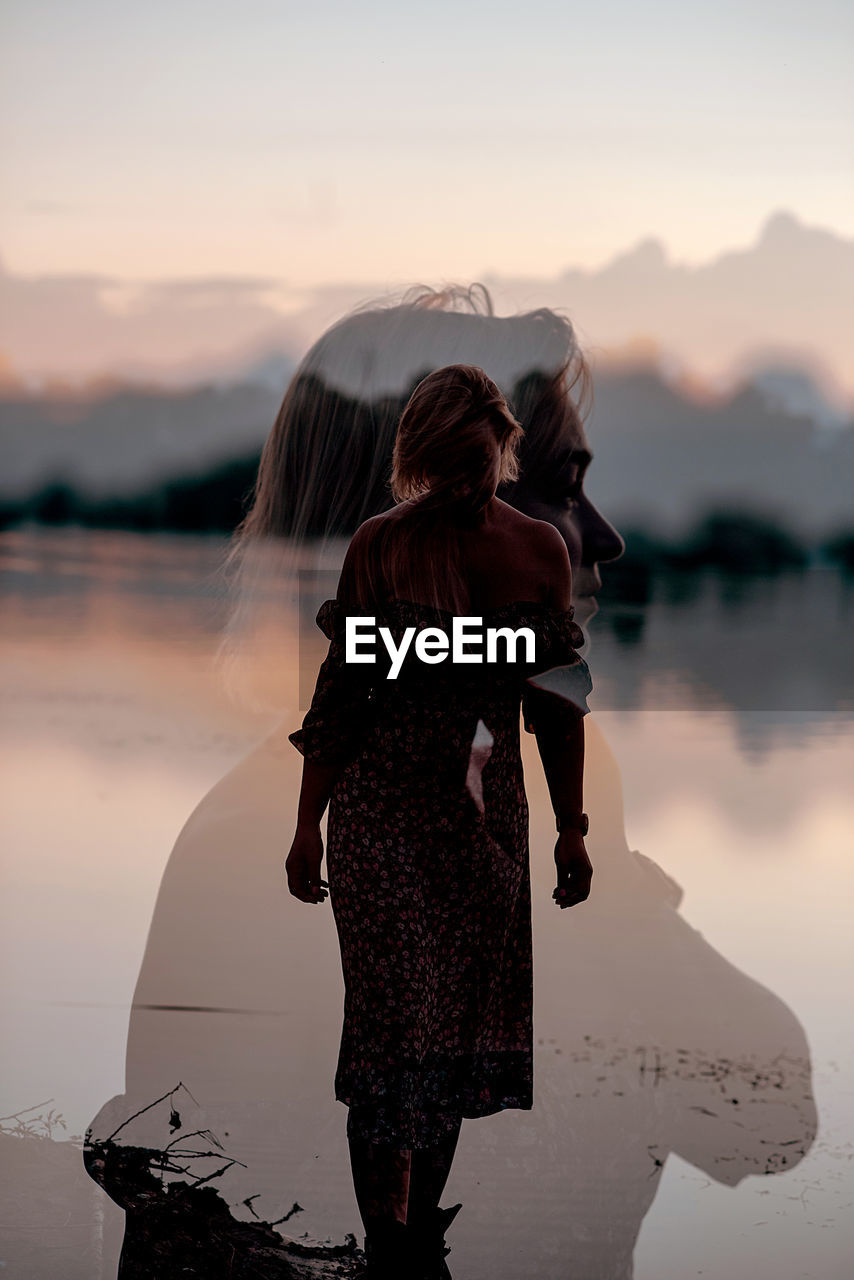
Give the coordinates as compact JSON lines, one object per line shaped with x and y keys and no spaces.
{"x":427,"y":864}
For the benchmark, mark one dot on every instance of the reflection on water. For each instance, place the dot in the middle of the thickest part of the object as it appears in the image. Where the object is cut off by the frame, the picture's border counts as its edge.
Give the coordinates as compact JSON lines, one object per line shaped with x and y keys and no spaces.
{"x":674,"y":1122}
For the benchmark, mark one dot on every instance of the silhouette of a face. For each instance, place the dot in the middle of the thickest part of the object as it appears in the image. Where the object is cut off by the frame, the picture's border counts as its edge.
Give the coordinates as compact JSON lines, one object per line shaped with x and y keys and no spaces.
{"x":557,"y":494}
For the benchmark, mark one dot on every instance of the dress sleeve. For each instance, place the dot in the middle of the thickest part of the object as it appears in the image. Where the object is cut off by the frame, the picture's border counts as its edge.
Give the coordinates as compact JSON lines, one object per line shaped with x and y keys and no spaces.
{"x":559,"y":682}
{"x":344,"y":698}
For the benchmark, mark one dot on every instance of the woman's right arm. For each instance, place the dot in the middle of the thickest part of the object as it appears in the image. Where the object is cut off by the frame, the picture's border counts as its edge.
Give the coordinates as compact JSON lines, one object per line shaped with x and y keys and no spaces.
{"x":302,"y":864}
{"x":330,"y":732}
{"x":559,"y":730}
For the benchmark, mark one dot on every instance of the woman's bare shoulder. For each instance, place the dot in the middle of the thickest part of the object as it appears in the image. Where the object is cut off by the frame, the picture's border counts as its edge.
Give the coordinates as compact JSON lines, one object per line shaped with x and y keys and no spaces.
{"x":555,"y":565}
{"x":545,"y":553}
{"x":362,"y":551}
{"x":512,"y":515}
{"x":368,"y":529}
{"x":517,"y":557}
{"x":539,"y":534}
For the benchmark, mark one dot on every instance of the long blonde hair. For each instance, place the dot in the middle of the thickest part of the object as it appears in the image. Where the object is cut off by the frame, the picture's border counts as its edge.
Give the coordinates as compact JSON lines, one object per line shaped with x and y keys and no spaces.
{"x":443,"y":475}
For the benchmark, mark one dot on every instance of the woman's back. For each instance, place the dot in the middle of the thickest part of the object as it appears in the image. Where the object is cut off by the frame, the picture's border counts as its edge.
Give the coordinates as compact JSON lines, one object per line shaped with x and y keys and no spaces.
{"x":504,"y":558}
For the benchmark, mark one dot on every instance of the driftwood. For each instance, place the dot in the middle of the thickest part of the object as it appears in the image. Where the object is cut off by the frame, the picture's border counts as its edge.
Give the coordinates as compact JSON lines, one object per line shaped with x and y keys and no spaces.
{"x":179,"y":1224}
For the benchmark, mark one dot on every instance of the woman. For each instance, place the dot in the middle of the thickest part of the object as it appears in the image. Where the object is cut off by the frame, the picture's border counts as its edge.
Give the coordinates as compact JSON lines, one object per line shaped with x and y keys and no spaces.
{"x":238,"y":981}
{"x":427,"y":853}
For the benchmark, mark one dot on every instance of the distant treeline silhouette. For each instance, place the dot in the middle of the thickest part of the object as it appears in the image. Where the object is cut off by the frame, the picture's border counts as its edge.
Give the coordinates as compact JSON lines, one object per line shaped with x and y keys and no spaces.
{"x":730,"y":541}
{"x":735,"y":543}
{"x":758,"y":489}
{"x":212,"y":502}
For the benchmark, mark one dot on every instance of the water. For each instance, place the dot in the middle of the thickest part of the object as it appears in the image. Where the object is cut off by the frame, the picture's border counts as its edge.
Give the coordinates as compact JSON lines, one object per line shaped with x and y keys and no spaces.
{"x":693,"y":1096}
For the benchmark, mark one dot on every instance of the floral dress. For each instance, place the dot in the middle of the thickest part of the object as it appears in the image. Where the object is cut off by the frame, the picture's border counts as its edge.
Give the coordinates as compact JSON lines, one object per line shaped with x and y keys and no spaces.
{"x":427,"y":865}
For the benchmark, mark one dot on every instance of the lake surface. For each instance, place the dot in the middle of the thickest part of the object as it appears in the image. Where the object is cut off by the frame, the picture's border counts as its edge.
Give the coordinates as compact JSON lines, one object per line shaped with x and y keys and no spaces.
{"x":693,"y":1095}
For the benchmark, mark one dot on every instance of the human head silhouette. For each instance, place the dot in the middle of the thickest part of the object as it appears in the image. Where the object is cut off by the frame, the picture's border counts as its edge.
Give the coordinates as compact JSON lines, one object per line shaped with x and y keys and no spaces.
{"x":327,"y":464}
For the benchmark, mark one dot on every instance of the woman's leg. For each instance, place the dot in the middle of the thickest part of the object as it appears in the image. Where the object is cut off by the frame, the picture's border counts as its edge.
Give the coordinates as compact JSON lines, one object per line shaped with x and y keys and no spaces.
{"x":381,"y":1177}
{"x":402,"y":1185}
{"x":429,"y":1170}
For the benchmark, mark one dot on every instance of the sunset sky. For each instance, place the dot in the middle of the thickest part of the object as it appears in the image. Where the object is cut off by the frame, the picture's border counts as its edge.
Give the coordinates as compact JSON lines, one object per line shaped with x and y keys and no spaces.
{"x":329,"y":143}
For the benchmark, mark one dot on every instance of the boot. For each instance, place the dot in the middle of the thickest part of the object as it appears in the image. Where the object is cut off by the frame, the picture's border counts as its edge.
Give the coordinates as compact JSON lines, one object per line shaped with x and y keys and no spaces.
{"x":428,"y":1244}
{"x":388,"y":1251}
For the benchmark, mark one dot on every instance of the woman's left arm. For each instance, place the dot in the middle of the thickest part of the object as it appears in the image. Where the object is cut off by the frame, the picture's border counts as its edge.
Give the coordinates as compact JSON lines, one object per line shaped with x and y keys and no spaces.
{"x":306,"y":853}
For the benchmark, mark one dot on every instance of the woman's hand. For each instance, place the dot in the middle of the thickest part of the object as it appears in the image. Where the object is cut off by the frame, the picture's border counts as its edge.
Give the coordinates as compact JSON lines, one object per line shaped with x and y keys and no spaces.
{"x":574,"y":871}
{"x":303,"y":865}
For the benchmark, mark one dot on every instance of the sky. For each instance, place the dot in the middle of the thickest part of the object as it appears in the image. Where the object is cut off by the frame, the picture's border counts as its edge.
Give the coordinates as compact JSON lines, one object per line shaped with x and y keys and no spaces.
{"x":333,"y":143}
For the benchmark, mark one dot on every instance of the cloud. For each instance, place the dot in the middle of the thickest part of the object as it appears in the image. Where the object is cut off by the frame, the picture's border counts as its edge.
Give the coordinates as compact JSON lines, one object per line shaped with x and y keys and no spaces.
{"x":792,"y":290}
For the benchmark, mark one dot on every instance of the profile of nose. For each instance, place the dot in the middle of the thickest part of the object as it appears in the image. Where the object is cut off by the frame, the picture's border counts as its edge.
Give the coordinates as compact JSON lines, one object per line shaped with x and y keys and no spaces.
{"x":600,"y":541}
